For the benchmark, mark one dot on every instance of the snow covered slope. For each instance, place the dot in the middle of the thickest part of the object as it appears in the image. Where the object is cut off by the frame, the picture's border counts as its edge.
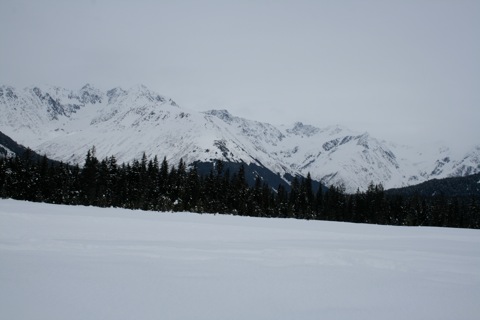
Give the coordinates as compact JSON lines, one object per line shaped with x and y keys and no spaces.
{"x":6,"y":152}
{"x":7,"y":146}
{"x":66,"y":262}
{"x":64,"y":124}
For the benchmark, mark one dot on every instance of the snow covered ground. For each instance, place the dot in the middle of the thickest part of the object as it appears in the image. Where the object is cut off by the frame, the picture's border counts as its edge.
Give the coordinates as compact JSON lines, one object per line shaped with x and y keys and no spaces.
{"x":61,"y":262}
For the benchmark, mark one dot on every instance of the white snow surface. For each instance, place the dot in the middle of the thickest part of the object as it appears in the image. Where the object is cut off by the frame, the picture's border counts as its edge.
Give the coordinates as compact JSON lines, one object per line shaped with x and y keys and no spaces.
{"x":74,"y":262}
{"x":64,"y":124}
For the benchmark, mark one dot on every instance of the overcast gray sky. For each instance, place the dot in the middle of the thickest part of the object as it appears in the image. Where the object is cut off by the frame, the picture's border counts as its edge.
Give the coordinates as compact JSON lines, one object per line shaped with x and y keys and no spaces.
{"x":407,"y":71}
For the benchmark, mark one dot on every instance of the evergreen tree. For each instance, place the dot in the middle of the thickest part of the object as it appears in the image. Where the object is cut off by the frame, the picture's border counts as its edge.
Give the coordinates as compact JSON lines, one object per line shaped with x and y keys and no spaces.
{"x":282,"y":201}
{"x":239,"y":184}
{"x":88,"y":178}
{"x":294,"y":203}
{"x":153,"y":187}
{"x":318,"y":203}
{"x":192,"y":191}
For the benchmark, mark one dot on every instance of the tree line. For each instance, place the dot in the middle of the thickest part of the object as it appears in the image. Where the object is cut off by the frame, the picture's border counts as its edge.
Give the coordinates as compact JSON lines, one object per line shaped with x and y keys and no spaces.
{"x":150,"y":184}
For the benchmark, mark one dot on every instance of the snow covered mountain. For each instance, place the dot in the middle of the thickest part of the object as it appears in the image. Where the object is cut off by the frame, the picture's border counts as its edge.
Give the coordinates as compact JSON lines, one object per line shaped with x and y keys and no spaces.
{"x":64,"y":124}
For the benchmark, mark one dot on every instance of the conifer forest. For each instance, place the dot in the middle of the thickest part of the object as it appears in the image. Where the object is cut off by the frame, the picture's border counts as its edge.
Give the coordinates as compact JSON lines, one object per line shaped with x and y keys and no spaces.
{"x":150,"y":184}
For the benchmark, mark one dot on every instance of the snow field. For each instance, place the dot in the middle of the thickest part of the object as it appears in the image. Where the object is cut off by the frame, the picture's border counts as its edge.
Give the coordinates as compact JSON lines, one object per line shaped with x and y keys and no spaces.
{"x":66,"y":262}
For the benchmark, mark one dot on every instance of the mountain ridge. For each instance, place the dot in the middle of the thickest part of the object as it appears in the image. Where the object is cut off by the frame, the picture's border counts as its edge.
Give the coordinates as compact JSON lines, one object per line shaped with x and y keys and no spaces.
{"x":64,"y":124}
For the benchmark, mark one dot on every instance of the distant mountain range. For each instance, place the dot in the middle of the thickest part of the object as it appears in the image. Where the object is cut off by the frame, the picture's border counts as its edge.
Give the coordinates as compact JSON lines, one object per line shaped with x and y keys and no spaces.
{"x":64,"y":124}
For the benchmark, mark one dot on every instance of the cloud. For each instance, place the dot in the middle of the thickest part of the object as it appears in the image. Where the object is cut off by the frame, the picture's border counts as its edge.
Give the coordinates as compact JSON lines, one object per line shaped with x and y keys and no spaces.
{"x":402,"y":70}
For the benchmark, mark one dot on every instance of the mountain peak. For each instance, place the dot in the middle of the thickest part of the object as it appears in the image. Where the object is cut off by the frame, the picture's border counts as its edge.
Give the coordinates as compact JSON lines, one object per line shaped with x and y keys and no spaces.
{"x":221,"y":114}
{"x":139,"y":88}
{"x":142,"y":91}
{"x":303,"y":129}
{"x":87,"y":87}
{"x":7,"y":92}
{"x":90,"y":94}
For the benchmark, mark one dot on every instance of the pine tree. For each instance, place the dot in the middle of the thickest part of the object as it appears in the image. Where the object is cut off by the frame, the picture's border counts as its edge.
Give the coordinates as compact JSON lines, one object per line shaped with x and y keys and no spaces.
{"x":3,"y":177}
{"x":282,"y":201}
{"x":88,"y":178}
{"x":294,"y":198}
{"x":318,"y":207}
{"x":192,"y":191}
{"x":153,"y":187}
{"x":241,"y":190}
{"x":310,"y":198}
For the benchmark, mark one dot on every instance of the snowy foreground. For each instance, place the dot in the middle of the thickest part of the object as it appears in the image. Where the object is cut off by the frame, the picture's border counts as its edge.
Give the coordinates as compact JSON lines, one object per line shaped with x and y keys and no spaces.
{"x":61,"y":262}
